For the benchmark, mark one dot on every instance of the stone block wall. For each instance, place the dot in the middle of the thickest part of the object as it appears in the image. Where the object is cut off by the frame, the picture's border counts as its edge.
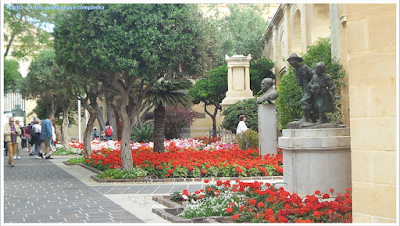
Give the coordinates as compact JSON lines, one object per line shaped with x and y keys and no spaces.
{"x":371,"y":42}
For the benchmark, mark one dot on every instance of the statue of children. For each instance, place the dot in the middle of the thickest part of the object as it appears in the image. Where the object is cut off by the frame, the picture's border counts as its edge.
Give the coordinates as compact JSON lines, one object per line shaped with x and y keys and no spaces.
{"x":319,"y":85}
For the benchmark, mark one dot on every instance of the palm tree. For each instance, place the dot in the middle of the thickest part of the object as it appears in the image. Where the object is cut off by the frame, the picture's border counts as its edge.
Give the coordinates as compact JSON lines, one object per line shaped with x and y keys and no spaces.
{"x":165,"y":93}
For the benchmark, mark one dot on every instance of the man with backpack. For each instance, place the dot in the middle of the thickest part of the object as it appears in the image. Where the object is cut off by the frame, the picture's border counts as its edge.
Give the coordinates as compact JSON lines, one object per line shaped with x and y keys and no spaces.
{"x":109,"y":131}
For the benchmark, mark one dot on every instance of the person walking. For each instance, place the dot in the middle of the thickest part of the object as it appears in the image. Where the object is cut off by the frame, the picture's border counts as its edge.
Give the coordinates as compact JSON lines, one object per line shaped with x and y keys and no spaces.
{"x":109,"y":131}
{"x":10,"y":136}
{"x":19,"y":140}
{"x":54,"y":138}
{"x":35,"y":140}
{"x":46,"y":135}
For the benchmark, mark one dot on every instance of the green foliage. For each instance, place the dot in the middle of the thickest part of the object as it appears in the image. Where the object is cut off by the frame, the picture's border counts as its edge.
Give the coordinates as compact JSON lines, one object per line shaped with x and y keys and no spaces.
{"x":12,"y":77}
{"x":42,"y":110}
{"x":27,"y":24}
{"x":63,"y":151}
{"x":247,"y":139}
{"x":76,"y":160}
{"x":121,"y":174}
{"x":288,"y":103}
{"x":212,"y":89}
{"x":259,"y":70}
{"x":248,"y":107}
{"x":240,"y":33}
{"x":143,"y":133}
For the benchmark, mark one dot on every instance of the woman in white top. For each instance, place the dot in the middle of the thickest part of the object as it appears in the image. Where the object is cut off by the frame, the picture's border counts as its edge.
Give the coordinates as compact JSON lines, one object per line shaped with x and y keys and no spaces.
{"x":242,"y":125}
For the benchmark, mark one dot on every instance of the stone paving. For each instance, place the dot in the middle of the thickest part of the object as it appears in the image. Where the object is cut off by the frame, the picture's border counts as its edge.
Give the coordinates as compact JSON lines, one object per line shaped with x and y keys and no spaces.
{"x":47,"y":191}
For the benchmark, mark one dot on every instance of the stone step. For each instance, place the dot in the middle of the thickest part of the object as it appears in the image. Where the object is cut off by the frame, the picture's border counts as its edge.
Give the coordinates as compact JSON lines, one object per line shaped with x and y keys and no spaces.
{"x":316,"y":132}
{"x":314,"y":142}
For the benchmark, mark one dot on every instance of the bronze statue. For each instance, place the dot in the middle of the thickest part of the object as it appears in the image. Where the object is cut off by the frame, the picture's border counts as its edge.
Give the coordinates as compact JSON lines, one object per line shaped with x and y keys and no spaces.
{"x":303,"y":75}
{"x":269,"y":91}
{"x":320,"y":85}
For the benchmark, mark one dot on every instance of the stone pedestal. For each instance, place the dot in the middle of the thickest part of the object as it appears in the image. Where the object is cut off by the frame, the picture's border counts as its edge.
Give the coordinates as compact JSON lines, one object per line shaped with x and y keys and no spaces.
{"x":267,"y":129}
{"x":238,"y":79}
{"x":316,"y":159}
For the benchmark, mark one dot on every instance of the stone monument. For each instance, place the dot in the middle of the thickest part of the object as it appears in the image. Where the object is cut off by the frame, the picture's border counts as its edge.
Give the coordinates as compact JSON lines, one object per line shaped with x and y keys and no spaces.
{"x":316,"y":155}
{"x":238,"y":79}
{"x":267,"y":125}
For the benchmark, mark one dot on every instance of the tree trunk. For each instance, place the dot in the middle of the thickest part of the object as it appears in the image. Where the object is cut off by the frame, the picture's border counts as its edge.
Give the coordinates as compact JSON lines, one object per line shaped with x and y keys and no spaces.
{"x":100,"y":119}
{"x":64,"y":127}
{"x":87,"y":135}
{"x":213,"y":117}
{"x":126,"y":151}
{"x":159,"y":124}
{"x":111,"y":117}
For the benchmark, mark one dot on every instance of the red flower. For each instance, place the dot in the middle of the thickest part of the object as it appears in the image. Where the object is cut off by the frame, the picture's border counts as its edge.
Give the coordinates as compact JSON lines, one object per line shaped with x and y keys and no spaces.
{"x":203,"y":171}
{"x":217,"y":192}
{"x":190,"y":168}
{"x":219,"y":182}
{"x":170,"y":171}
{"x":325,"y":196}
{"x":235,"y":216}
{"x":229,"y":210}
{"x":242,"y":208}
{"x":317,"y":192}
{"x":260,"y":205}
{"x":252,"y":202}
{"x":206,"y":181}
{"x":160,"y":167}
{"x":331,"y":190}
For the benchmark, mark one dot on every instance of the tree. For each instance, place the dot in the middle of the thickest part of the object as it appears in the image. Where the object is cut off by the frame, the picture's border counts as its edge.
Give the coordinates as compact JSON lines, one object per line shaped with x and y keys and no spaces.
{"x":248,"y":107}
{"x":27,"y":24}
{"x":12,"y":77}
{"x":45,"y":81}
{"x":165,"y":93}
{"x":42,"y":80}
{"x":211,"y":91}
{"x":129,"y":47}
{"x":240,"y":32}
{"x":177,"y":118}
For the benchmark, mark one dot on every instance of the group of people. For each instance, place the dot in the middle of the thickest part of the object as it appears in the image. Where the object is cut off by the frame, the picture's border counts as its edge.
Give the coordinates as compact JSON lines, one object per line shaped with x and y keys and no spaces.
{"x":104,"y":135}
{"x":39,"y":137}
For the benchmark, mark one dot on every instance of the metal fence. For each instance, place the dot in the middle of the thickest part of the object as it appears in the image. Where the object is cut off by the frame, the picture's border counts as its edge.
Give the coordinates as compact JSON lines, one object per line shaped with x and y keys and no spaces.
{"x":226,"y":135}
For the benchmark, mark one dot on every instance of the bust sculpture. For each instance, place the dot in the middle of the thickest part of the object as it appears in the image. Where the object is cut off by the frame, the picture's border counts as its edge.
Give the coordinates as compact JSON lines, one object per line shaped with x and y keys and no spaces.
{"x":269,"y":91}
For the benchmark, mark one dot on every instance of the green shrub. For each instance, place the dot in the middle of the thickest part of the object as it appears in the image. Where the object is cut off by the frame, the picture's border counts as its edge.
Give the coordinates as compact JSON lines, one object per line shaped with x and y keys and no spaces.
{"x":248,"y":107}
{"x":143,"y":134}
{"x":120,"y":174}
{"x":247,"y":139}
{"x":76,"y":160}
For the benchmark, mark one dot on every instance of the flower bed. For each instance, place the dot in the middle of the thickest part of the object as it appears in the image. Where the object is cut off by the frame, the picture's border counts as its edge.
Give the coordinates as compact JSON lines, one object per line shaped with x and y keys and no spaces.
{"x":257,"y":202}
{"x":191,"y":158}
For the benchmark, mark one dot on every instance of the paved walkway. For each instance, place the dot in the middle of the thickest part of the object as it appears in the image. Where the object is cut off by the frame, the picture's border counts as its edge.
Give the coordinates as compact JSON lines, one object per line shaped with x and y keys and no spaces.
{"x":48,"y":191}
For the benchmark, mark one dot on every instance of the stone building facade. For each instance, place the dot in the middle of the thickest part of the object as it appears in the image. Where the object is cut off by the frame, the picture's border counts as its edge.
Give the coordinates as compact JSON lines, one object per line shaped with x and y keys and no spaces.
{"x":363,"y":38}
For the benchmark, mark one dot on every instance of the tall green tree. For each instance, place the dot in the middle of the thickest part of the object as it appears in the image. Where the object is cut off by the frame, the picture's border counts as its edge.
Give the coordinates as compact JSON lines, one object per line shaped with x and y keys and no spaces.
{"x":211,"y":91}
{"x":163,"y":94}
{"x":45,"y":81}
{"x":240,"y":32}
{"x":12,"y":77}
{"x":27,"y":24}
{"x":129,"y":47}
